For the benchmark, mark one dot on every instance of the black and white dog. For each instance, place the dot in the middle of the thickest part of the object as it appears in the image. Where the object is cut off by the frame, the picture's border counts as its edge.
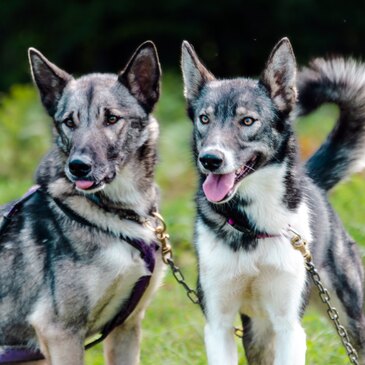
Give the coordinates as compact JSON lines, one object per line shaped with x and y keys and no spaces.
{"x":253,"y":189}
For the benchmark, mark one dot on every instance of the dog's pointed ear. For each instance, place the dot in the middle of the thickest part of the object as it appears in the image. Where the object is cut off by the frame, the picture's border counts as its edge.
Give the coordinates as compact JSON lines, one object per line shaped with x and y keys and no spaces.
{"x":49,"y":79}
{"x":142,"y":75}
{"x":195,"y":74}
{"x":279,"y":76}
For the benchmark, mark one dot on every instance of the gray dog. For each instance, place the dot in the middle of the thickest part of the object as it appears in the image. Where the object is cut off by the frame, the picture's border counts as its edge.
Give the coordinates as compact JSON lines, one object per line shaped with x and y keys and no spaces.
{"x":253,"y":191}
{"x":76,"y":257}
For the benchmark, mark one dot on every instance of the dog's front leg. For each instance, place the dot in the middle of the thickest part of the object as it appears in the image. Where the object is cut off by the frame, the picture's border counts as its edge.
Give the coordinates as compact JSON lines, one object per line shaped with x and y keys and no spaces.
{"x":220,"y":345}
{"x":281,"y":295}
{"x":122,"y":346}
{"x":219,"y":334}
{"x":61,"y":347}
{"x":290,"y":342}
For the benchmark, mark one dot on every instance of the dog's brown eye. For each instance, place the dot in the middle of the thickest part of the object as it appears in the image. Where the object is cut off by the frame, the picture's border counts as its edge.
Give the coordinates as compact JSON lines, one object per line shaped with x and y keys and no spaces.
{"x":204,"y":119}
{"x":69,"y":123}
{"x":247,"y":121}
{"x":112,"y":119}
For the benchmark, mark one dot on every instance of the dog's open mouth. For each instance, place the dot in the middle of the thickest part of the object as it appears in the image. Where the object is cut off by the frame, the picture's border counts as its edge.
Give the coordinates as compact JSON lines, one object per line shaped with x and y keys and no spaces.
{"x":88,"y":185}
{"x":219,"y":187}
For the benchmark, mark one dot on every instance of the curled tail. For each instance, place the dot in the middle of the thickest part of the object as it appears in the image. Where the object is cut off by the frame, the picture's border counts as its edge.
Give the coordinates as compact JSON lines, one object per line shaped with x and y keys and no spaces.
{"x":341,"y":82}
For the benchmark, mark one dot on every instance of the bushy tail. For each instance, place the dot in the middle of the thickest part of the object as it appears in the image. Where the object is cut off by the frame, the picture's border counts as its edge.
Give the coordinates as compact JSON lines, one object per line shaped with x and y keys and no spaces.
{"x":341,"y":82}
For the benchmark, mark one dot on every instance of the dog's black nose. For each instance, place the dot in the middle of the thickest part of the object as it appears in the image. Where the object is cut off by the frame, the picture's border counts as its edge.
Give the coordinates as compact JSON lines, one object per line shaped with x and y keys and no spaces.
{"x":211,"y":161}
{"x":79,"y":168}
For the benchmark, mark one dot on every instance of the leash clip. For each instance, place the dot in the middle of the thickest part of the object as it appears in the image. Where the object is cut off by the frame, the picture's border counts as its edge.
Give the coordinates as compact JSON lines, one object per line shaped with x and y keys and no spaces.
{"x":300,"y":244}
{"x":161,"y":234}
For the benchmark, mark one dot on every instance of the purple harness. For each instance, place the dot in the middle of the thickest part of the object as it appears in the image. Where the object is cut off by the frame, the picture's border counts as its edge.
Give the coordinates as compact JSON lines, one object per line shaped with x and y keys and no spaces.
{"x":14,"y":354}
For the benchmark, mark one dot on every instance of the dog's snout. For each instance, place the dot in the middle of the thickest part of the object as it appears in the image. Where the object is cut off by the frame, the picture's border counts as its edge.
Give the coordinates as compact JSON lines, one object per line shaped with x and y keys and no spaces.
{"x":79,"y":168}
{"x":211,"y":161}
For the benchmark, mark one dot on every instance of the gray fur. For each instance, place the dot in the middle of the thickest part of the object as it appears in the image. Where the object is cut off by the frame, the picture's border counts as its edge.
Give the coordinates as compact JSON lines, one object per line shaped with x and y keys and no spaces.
{"x":62,"y":281}
{"x":271,"y":101}
{"x":279,"y":76}
{"x":194,"y":73}
{"x":342,"y":82}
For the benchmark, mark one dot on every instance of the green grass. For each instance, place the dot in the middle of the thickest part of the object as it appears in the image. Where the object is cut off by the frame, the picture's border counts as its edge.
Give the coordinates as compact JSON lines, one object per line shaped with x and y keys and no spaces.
{"x":173,"y":327}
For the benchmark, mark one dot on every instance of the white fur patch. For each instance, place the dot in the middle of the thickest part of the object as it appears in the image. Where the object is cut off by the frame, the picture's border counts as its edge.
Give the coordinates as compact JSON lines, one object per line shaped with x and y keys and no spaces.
{"x":119,"y":266}
{"x":124,"y":187}
{"x":265,"y":283}
{"x":265,"y":188}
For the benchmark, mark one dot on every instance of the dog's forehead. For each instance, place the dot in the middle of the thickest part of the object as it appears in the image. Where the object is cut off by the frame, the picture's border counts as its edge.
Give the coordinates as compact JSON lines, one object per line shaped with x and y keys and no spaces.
{"x":234,"y":96}
{"x":97,"y":91}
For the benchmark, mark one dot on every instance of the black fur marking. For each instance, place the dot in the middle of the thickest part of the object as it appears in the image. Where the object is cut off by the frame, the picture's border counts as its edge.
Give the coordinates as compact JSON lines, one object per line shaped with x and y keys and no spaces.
{"x":201,"y":298}
{"x":293,"y":184}
{"x":8,"y":288}
{"x":48,"y":233}
{"x":281,"y":121}
{"x":255,"y":349}
{"x":190,"y":112}
{"x":345,"y":292}
{"x":225,"y":110}
{"x":90,"y":95}
{"x":61,"y":139}
{"x":284,"y":151}
{"x":293,"y":190}
{"x":234,"y":238}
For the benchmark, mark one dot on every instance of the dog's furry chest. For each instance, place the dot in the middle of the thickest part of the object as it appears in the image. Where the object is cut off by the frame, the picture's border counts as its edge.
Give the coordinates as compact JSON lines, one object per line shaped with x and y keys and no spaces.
{"x":111,"y":281}
{"x":247,"y":279}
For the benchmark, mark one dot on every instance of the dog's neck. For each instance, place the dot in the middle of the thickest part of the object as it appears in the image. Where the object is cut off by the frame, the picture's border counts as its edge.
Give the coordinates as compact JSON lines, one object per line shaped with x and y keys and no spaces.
{"x":131,"y":189}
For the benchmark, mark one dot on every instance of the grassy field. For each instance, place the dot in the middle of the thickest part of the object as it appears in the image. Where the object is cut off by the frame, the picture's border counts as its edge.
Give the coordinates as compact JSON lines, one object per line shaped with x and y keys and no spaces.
{"x":173,"y":327}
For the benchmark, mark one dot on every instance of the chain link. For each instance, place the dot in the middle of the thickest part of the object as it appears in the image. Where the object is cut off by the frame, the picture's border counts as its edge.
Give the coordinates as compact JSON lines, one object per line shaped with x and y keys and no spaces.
{"x":332,"y":313}
{"x":301,"y":245}
{"x":178,"y":275}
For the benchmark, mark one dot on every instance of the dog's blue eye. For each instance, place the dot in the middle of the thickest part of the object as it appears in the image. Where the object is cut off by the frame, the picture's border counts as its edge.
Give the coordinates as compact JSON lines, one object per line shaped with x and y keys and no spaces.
{"x":112,"y":119}
{"x":69,"y":123}
{"x":204,"y":119}
{"x":247,"y":121}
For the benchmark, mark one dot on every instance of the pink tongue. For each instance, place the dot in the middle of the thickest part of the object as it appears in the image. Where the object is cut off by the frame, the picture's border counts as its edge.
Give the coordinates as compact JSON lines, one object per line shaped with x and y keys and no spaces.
{"x":84,"y":184}
{"x":216,"y":187}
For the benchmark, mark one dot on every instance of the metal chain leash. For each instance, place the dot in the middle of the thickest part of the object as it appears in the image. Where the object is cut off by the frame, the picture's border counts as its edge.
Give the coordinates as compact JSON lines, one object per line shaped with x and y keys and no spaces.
{"x":301,"y":245}
{"x":297,"y":242}
{"x":167,"y":257}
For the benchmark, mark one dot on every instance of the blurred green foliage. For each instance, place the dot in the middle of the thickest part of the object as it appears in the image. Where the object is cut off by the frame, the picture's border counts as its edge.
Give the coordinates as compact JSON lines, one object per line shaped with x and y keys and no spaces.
{"x":173,"y":327}
{"x":23,"y":136}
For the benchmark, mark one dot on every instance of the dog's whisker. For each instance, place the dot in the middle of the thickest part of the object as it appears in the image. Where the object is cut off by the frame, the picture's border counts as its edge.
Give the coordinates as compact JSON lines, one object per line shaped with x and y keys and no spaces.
{"x":249,"y":167}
